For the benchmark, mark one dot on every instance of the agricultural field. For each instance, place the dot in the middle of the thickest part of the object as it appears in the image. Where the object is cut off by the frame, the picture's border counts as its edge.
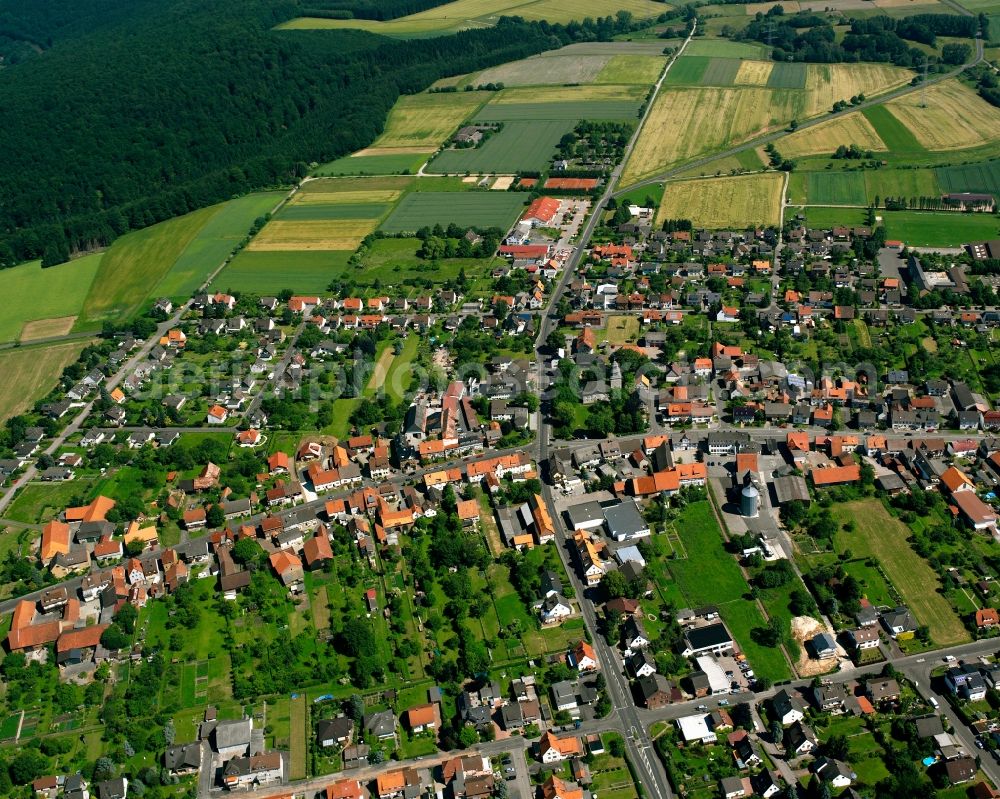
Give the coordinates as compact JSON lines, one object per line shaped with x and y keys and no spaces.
{"x":554,"y":68}
{"x":724,"y":48}
{"x":215,"y":241}
{"x":688,"y":122}
{"x":171,"y":258}
{"x":519,"y":146}
{"x":694,"y":70}
{"x":312,"y":234}
{"x":32,"y":372}
{"x":897,"y":138}
{"x":835,"y":188}
{"x":377,"y":163}
{"x":725,"y":202}
{"x":983,"y":177}
{"x":954,"y":117}
{"x":627,"y":68}
{"x":32,"y":294}
{"x":477,"y":209}
{"x":861,"y":187}
{"x":463,"y":14}
{"x":824,"y":139}
{"x":879,"y":535}
{"x":426,"y":120}
{"x":272,"y":272}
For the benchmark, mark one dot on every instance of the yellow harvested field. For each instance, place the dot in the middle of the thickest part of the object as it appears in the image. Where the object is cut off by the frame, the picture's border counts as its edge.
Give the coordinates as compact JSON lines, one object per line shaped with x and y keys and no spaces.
{"x":686,"y":123}
{"x":46,"y":328}
{"x":346,"y":197}
{"x":826,"y":138}
{"x":325,"y":234}
{"x":753,"y":73}
{"x":955,"y":117}
{"x":727,"y":202}
{"x":827,"y":83}
{"x":570,"y":94}
{"x":632,"y":68}
{"x":427,"y":120}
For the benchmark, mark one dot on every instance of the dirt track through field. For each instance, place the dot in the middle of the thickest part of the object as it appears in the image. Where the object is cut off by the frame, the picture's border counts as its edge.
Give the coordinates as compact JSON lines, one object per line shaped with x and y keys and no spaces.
{"x":381,"y":369}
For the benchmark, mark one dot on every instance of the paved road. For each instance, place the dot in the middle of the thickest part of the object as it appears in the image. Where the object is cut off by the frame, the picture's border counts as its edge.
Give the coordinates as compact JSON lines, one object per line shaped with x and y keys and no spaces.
{"x":687,"y":166}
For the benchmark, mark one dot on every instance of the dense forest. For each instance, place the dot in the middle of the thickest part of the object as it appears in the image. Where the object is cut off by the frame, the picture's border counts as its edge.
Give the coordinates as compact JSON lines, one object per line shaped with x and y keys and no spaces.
{"x":178,"y":104}
{"x":806,"y":36}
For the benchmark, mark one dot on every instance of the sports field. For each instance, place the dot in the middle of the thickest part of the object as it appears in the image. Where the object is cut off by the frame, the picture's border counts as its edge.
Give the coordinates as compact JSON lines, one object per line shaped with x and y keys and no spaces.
{"x":941,"y":229}
{"x":272,"y":272}
{"x":726,"y":202}
{"x":954,"y":117}
{"x":476,"y":209}
{"x":463,"y":14}
{"x":879,"y":535}
{"x":519,"y":146}
{"x":32,"y":293}
{"x":393,"y":163}
{"x":32,"y":372}
{"x":427,"y":120}
{"x":312,"y":234}
{"x":824,"y":139}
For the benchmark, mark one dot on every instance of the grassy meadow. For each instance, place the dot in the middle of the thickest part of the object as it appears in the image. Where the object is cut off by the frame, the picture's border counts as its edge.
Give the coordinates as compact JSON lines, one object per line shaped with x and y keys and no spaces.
{"x":31,"y":372}
{"x":32,"y":293}
{"x":725,"y":202}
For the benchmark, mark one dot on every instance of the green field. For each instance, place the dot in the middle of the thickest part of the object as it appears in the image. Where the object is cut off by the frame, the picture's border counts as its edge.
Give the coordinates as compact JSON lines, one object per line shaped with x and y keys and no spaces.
{"x":169,"y":259}
{"x":32,"y":293}
{"x":826,"y":217}
{"x":392,"y":164}
{"x":942,"y":229}
{"x":879,"y":535}
{"x":897,"y":137}
{"x":272,"y":272}
{"x":983,"y":177}
{"x":688,"y":70}
{"x":215,"y":241}
{"x":520,"y":146}
{"x":320,"y":211}
{"x":393,"y":261}
{"x":787,"y":76}
{"x":723,"y":48}
{"x":564,"y":111}
{"x":400,"y":375}
{"x":136,"y":263}
{"x":32,"y":372}
{"x":632,"y":68}
{"x":708,"y":574}
{"x":836,"y":188}
{"x":39,"y":502}
{"x":476,"y":209}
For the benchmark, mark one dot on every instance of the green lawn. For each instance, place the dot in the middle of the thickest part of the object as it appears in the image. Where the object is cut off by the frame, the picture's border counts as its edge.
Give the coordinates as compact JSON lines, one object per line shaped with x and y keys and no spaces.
{"x":40,"y":502}
{"x":708,"y":574}
{"x":874,"y":586}
{"x":393,"y":261}
{"x":32,"y":293}
{"x":742,"y":618}
{"x":878,"y":534}
{"x":400,"y":375}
